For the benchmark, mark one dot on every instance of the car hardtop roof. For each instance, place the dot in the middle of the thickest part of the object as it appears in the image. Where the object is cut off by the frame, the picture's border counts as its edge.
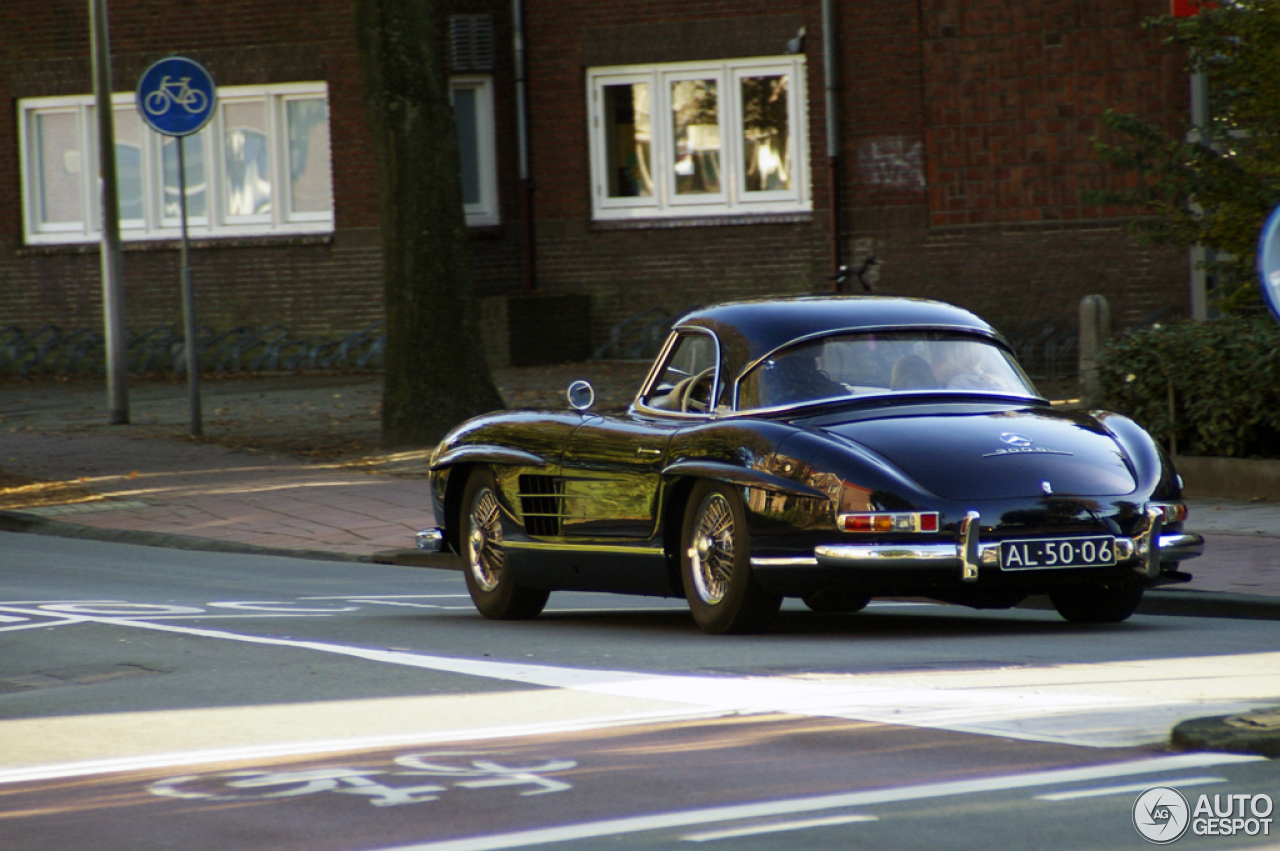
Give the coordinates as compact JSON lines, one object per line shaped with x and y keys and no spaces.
{"x":749,"y":330}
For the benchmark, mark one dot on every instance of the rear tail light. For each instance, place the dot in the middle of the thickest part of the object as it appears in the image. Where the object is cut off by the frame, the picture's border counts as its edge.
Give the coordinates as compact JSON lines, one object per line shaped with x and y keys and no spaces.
{"x":887,"y":521}
{"x":1174,"y":512}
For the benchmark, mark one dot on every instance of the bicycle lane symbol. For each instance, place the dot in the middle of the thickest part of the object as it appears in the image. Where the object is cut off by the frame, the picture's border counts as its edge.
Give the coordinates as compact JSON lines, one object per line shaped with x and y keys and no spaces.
{"x":383,"y":788}
{"x":179,"y":92}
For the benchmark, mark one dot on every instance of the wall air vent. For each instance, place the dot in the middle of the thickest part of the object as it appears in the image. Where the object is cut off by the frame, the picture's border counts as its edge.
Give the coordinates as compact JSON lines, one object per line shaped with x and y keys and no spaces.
{"x":471,"y":43}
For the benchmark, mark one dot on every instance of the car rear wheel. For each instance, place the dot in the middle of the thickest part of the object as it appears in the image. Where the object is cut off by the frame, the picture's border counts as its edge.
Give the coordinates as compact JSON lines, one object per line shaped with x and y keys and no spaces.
{"x":493,"y":590}
{"x":715,"y":560}
{"x":1109,"y":602}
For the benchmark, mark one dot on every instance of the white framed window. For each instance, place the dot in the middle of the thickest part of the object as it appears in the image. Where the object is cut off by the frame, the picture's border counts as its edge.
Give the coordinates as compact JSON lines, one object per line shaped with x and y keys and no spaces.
{"x":699,"y":138}
{"x":262,"y":166}
{"x":473,"y":106}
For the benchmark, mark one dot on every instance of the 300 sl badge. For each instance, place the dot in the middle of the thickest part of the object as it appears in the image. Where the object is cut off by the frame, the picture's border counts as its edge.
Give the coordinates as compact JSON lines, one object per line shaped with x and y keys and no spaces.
{"x":1020,"y":444}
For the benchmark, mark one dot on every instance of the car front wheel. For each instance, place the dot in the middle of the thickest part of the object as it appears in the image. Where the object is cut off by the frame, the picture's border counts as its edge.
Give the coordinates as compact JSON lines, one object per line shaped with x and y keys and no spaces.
{"x":715,"y":561}
{"x":493,"y":590}
{"x":1110,"y":602}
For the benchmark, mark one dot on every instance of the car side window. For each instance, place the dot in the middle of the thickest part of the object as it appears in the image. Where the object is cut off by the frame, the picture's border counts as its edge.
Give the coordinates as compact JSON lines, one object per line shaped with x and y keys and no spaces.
{"x":687,"y":377}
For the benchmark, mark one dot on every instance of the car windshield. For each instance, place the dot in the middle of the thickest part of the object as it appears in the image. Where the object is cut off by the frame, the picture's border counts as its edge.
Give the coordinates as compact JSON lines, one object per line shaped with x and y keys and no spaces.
{"x":876,"y":364}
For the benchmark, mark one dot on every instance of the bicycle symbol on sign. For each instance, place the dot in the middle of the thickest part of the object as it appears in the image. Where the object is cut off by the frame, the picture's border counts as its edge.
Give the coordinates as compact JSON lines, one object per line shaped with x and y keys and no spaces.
{"x":444,"y":767}
{"x":180,"y":92}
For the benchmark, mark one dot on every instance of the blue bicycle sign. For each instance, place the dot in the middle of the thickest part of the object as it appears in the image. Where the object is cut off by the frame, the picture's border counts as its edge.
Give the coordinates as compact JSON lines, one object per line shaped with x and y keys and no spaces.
{"x":176,"y":96}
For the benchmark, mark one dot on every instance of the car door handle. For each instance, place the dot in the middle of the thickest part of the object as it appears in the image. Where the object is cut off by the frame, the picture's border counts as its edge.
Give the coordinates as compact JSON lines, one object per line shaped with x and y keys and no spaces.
{"x":645,"y":450}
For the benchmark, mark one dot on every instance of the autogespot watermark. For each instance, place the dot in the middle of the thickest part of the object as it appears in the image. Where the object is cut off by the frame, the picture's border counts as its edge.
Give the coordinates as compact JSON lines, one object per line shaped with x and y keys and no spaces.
{"x":1162,"y":815}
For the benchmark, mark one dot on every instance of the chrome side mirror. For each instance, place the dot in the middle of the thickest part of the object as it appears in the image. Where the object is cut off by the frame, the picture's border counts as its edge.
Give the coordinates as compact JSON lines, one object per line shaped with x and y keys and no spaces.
{"x":581,"y":395}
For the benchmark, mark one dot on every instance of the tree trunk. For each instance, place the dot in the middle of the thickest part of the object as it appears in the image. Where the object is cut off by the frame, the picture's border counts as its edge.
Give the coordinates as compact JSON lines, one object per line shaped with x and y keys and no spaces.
{"x":436,"y":372}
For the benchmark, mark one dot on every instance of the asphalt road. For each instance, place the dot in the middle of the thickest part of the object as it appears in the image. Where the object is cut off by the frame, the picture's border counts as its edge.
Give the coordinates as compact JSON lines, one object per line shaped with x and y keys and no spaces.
{"x":154,"y":698}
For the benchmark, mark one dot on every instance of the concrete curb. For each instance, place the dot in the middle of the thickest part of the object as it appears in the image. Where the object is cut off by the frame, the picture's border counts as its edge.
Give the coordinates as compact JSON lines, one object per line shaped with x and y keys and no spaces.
{"x":16,"y":521}
{"x":1210,"y":604}
{"x":1229,"y":478}
{"x":1256,"y":732}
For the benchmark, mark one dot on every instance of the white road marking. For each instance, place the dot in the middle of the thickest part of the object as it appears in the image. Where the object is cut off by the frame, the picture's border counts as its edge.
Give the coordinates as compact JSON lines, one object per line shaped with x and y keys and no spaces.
{"x":276,"y":606}
{"x":44,"y":624}
{"x":356,"y":598}
{"x":436,"y":606}
{"x":614,"y":610}
{"x":848,"y":800}
{"x":260,"y":753}
{"x":11,"y":619}
{"x":1106,"y":704}
{"x":1103,"y":791}
{"x":775,"y":827}
{"x":120,"y":610}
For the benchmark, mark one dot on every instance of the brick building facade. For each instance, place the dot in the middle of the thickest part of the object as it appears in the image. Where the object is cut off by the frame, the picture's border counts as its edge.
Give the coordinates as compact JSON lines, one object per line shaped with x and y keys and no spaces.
{"x":964,"y":133}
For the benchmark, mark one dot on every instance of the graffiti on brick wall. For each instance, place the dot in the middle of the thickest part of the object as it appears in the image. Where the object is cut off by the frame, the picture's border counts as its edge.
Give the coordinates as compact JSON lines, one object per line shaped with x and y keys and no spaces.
{"x":892,"y":162}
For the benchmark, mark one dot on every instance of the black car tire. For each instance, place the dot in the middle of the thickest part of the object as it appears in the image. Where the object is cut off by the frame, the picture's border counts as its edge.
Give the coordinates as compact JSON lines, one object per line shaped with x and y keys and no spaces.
{"x":1110,"y":602}
{"x":836,"y":602}
{"x":715,"y":564}
{"x":493,"y":590}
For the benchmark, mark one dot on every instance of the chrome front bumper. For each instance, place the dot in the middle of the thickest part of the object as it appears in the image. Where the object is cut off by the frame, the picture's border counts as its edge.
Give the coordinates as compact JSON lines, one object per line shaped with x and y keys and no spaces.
{"x":1144,"y":552}
{"x":430,"y":540}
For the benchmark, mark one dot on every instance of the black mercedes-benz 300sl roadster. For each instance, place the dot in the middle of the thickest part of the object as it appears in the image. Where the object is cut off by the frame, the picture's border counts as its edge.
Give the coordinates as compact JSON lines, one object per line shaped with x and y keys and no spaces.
{"x":833,"y":449}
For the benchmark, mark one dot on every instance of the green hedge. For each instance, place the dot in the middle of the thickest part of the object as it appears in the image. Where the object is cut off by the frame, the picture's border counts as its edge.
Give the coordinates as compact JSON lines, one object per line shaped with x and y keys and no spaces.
{"x":1224,"y":378}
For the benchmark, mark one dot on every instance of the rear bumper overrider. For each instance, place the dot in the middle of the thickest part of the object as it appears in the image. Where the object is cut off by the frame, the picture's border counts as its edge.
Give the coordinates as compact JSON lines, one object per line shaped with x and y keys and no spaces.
{"x":1145,"y":552}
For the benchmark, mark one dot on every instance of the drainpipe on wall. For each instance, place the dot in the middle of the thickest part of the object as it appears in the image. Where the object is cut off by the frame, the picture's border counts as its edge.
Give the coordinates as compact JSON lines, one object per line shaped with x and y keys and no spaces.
{"x":522,"y":132}
{"x":1200,"y":254}
{"x":829,"y":54}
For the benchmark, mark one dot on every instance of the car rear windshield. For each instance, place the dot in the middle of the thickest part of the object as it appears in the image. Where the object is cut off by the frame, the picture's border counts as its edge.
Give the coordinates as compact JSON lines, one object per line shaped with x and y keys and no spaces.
{"x":848,"y":365}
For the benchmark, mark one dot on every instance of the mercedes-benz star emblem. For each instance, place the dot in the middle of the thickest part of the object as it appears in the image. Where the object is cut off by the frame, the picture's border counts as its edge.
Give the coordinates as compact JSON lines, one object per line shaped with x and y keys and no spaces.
{"x":1019,"y":440}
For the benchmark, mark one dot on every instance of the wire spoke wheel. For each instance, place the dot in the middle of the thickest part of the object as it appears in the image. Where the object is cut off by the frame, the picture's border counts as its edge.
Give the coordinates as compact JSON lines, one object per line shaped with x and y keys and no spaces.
{"x":485,"y":556}
{"x":715,"y":561}
{"x":712,"y":551}
{"x":494,"y":590}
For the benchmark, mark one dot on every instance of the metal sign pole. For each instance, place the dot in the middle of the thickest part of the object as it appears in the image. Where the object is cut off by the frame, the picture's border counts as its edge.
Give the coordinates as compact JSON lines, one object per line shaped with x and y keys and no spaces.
{"x":176,"y":96}
{"x":115,"y":343}
{"x":189,"y":302}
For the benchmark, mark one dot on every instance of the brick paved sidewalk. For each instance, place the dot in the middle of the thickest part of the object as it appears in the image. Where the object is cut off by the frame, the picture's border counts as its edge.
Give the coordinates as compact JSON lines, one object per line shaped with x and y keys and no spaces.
{"x":175,"y":488}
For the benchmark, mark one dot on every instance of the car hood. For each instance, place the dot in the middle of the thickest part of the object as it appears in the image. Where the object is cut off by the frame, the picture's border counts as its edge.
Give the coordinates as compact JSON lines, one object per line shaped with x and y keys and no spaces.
{"x":995,"y":455}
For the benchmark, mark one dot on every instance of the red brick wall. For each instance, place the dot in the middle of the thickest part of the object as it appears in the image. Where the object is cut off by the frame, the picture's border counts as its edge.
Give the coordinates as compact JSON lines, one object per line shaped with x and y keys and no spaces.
{"x":314,"y":286}
{"x":966,"y":145}
{"x":966,"y":130}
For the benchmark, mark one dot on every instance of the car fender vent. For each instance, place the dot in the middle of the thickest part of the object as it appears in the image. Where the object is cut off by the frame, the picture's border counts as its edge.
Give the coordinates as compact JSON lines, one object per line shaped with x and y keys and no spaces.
{"x":471,"y":42}
{"x":542,"y":504}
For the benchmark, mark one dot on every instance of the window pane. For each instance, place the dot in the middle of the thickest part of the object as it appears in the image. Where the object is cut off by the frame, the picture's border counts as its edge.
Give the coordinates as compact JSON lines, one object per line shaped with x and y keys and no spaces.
{"x":197,"y":183}
{"x":871,"y":364}
{"x":128,"y":131}
{"x":697,"y":137}
{"x":693,"y":360}
{"x":245,"y":149}
{"x":58,"y":169}
{"x":765,"y":139}
{"x":309,"y":186}
{"x":627,"y":140}
{"x":464,"y":106}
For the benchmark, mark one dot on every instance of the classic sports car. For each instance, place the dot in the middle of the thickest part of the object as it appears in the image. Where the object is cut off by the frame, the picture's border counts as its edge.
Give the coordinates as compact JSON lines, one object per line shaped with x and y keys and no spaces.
{"x":833,"y":449}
